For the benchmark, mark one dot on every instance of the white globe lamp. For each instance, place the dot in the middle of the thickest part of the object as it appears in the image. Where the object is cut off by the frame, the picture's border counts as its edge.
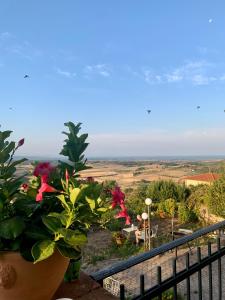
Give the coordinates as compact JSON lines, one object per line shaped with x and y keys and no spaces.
{"x":148,"y":201}
{"x":144,"y":216}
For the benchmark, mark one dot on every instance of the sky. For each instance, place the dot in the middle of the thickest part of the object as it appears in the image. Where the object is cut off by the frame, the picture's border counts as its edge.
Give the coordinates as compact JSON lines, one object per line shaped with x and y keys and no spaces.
{"x":104,"y":64}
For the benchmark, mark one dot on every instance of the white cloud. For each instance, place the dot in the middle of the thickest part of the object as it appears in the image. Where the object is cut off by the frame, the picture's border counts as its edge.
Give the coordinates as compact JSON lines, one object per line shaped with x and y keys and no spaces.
{"x":12,"y":46}
{"x":194,"y":72}
{"x":65,"y":73}
{"x":5,"y":35}
{"x":99,"y":69}
{"x":151,"y":78}
{"x":175,"y":76}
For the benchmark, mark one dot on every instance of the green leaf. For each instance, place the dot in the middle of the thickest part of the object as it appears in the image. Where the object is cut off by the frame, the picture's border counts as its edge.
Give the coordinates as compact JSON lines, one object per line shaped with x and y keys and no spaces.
{"x":73,"y":237}
{"x":42,"y":250}
{"x":36,"y":233}
{"x":52,"y":223}
{"x":69,"y":252}
{"x":102,"y":209}
{"x":63,"y":217}
{"x":11,"y":228}
{"x":91,"y":203}
{"x":74,"y":194}
{"x":63,"y":202}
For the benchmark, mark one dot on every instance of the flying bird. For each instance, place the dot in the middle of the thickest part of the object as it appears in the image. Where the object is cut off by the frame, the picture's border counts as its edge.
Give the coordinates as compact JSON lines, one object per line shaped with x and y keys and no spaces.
{"x":210,"y":20}
{"x":198,"y":107}
{"x":148,"y":111}
{"x":26,"y":76}
{"x":10,"y":108}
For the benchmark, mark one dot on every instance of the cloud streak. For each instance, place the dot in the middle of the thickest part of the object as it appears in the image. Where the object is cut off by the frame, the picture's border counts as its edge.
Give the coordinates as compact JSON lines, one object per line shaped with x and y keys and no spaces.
{"x":65,"y":73}
{"x":98,"y":69}
{"x":158,"y":142}
{"x":193,"y":72}
{"x":10,"y":45}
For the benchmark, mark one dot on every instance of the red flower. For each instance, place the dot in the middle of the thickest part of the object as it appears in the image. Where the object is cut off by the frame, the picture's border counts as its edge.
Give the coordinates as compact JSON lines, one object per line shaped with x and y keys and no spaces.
{"x":118,"y":197}
{"x":20,"y":143}
{"x":67,"y":175}
{"x":124,"y":214}
{"x":128,"y":220}
{"x":45,"y":188}
{"x":90,"y":179}
{"x":44,"y":168}
{"x":24,"y":187}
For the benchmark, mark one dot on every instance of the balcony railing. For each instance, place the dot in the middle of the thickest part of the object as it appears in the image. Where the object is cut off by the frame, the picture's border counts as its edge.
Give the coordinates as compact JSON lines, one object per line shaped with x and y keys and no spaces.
{"x":190,"y":275}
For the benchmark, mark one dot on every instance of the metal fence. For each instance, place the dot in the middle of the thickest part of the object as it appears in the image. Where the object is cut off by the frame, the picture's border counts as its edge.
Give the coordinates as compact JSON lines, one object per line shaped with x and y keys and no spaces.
{"x":159,"y":274}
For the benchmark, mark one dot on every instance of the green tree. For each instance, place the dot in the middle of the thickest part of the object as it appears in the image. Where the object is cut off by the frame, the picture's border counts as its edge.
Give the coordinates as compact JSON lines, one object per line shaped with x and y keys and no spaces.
{"x":217,"y":197}
{"x":136,"y":199}
{"x":162,"y":190}
{"x":199,"y":195}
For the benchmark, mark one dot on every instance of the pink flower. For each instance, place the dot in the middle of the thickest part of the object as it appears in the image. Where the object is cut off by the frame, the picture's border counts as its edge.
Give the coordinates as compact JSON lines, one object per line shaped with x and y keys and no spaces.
{"x":45,"y":188}
{"x":117,"y":197}
{"x":44,"y":168}
{"x":24,"y":187}
{"x":20,"y":143}
{"x":124,"y":214}
{"x":128,"y":220}
{"x":67,"y":176}
{"x":90,"y":179}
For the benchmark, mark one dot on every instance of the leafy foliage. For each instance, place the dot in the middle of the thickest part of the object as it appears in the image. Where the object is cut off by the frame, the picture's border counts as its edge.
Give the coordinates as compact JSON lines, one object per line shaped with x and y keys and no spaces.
{"x":217,"y":197}
{"x":162,"y":190}
{"x":136,"y":199}
{"x":73,"y":149}
{"x":185,"y":214}
{"x":168,"y":207}
{"x":55,"y":210}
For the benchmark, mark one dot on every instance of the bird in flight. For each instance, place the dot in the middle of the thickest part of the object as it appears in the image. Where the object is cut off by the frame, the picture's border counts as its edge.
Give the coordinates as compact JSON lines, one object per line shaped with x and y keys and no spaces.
{"x":198,"y":107}
{"x":10,"y":108}
{"x":26,"y":76}
{"x":148,"y":111}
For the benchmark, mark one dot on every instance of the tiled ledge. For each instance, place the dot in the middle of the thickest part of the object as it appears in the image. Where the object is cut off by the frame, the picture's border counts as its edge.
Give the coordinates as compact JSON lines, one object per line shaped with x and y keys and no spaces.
{"x":83,"y":288}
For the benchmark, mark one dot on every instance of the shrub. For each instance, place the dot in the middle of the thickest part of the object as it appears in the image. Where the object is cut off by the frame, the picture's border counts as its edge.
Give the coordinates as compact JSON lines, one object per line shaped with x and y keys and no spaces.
{"x":162,"y":190}
{"x":136,"y":200}
{"x":217,"y":197}
{"x":185,"y":214}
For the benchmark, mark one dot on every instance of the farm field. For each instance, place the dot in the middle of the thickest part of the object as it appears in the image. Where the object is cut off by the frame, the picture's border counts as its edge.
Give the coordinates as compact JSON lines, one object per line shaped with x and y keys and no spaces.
{"x":131,"y":173}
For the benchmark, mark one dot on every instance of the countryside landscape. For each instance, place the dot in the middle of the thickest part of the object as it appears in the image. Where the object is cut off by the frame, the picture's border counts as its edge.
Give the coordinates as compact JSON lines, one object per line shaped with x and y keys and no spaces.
{"x":112,"y":150}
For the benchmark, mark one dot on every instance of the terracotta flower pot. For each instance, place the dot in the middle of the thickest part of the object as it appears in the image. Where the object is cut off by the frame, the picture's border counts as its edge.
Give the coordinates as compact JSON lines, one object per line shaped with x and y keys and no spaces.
{"x":23,"y":280}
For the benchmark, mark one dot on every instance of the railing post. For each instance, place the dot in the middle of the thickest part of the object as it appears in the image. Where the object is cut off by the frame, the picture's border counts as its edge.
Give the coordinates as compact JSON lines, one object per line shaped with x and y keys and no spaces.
{"x":174,"y":276}
{"x":199,"y":274}
{"x":122,"y":292}
{"x":210,"y":273}
{"x":159,"y":275}
{"x":188,"y":278}
{"x":142,"y":285}
{"x":219,"y":271}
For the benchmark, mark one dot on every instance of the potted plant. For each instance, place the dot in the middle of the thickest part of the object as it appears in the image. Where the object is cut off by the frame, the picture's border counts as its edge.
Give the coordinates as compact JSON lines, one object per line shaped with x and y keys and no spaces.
{"x":43,"y":221}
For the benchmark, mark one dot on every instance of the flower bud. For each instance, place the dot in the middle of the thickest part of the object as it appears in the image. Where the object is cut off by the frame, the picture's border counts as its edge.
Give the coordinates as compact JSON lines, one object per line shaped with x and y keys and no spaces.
{"x":20,"y":143}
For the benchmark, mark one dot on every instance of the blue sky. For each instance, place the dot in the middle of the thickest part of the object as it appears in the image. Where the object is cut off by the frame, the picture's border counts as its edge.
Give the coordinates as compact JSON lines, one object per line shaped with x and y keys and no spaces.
{"x":104,"y":63}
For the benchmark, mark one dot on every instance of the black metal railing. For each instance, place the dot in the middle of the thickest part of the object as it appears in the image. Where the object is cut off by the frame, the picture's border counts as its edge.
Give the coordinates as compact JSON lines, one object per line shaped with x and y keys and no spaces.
{"x":184,"y":276}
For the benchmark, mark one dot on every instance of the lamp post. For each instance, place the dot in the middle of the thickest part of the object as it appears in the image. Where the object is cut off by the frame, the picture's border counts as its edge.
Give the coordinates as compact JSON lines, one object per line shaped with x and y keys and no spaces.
{"x":148,"y":202}
{"x":144,"y":217}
